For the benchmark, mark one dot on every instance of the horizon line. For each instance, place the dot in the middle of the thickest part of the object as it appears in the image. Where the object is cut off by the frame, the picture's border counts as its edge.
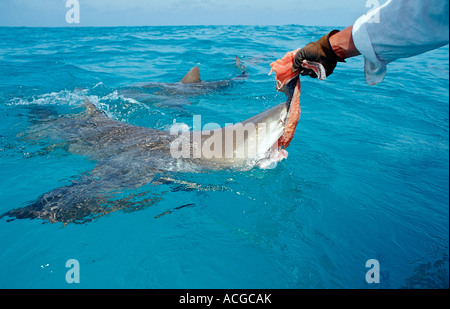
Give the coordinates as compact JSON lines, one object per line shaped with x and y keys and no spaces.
{"x":204,"y":25}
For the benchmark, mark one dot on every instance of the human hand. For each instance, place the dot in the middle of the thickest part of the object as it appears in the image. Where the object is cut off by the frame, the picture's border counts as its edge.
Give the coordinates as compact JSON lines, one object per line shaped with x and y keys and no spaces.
{"x":319,"y":51}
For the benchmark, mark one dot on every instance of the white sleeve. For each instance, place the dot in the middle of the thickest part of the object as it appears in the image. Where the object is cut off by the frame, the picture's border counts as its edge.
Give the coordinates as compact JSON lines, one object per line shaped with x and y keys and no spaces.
{"x":399,"y":29}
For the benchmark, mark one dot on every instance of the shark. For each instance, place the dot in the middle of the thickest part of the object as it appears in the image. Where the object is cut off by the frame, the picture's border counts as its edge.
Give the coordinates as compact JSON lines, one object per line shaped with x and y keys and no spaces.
{"x":193,"y":76}
{"x":163,"y":94}
{"x":129,"y":157}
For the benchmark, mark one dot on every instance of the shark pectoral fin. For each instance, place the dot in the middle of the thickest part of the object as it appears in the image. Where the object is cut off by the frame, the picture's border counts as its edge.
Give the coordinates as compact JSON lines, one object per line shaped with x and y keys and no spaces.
{"x":193,"y":76}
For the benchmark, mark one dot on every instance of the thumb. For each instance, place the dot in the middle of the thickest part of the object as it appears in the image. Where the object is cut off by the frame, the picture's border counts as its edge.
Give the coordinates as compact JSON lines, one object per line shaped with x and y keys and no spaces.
{"x":298,"y":60}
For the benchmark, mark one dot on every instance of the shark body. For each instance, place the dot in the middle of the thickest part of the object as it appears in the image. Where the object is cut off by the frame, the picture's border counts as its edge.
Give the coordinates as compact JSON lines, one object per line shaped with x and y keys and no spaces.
{"x":164,"y":94}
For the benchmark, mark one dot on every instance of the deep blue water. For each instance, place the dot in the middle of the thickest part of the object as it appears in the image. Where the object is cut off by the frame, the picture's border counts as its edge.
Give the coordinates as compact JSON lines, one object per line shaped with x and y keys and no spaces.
{"x":367,"y":175}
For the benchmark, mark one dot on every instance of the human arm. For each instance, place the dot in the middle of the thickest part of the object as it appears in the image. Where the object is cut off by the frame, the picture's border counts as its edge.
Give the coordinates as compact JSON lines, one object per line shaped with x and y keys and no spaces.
{"x":397,"y":29}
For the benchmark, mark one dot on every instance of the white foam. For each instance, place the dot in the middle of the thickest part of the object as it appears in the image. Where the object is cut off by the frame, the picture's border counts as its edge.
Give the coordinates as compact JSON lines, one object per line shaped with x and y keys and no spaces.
{"x":63,"y":97}
{"x":271,"y":161}
{"x":76,"y":99}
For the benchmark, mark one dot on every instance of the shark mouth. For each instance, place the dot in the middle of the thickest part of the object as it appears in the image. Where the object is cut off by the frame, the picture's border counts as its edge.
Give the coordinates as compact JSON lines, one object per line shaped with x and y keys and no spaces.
{"x":288,"y":82}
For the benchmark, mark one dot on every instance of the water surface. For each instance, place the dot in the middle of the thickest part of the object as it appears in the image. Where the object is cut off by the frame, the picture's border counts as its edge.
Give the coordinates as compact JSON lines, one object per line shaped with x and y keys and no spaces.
{"x":367,"y":175}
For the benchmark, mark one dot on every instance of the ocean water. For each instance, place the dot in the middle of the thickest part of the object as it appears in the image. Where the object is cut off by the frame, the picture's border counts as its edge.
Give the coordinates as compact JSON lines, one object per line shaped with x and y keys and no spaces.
{"x":367,"y":175}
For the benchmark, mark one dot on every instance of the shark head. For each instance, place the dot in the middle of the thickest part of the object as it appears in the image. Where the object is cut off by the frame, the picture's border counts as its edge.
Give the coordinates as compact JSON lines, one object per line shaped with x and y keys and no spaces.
{"x":254,"y":141}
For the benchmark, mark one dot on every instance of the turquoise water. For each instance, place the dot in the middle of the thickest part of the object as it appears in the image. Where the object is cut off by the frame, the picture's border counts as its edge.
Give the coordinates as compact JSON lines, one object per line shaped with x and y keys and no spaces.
{"x":367,"y":175}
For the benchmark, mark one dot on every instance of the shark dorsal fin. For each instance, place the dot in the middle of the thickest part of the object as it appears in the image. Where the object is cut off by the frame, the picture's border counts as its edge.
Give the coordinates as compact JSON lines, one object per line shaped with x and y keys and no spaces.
{"x":90,"y":107}
{"x":193,"y":76}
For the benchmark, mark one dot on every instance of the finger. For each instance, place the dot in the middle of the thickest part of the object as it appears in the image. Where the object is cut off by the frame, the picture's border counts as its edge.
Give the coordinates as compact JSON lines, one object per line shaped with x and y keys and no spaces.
{"x":296,"y":65}
{"x":313,"y":74}
{"x":305,"y":72}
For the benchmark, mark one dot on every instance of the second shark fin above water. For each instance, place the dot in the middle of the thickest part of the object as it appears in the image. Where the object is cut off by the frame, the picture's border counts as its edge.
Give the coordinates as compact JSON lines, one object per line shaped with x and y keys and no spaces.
{"x":193,"y":76}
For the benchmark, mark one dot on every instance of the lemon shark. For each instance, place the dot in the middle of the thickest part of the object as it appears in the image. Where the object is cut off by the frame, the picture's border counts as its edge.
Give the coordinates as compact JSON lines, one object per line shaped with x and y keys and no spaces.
{"x":193,"y":76}
{"x":175,"y":94}
{"x":129,"y":157}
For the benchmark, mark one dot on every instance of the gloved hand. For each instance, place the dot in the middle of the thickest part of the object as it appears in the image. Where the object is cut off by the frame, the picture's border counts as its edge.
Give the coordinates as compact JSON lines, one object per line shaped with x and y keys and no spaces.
{"x":319,"y":51}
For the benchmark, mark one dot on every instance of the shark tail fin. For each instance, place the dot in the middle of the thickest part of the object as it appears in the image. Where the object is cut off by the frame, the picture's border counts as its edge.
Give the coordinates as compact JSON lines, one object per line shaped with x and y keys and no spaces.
{"x":193,"y":76}
{"x":240,"y":65}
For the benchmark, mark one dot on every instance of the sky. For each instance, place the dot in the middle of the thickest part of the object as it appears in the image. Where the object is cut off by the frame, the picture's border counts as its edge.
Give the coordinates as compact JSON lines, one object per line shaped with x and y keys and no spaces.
{"x":52,"y":13}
